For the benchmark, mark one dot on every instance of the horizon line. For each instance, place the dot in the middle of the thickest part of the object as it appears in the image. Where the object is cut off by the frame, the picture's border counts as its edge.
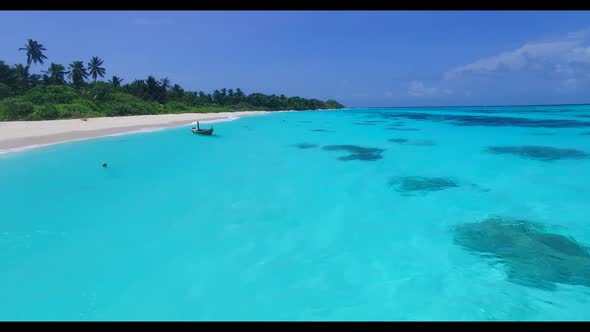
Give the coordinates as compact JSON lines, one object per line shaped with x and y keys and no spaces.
{"x":441,"y":106}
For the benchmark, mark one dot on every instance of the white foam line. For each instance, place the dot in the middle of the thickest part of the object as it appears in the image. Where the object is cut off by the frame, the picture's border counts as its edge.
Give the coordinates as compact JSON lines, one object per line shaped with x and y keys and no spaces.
{"x":23,"y":148}
{"x":233,"y":118}
{"x":225,"y":119}
{"x":230,"y":118}
{"x":139,"y":131}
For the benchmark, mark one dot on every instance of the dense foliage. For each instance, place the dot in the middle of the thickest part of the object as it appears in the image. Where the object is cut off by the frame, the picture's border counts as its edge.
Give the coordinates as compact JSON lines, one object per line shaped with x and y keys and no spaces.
{"x":65,"y":92}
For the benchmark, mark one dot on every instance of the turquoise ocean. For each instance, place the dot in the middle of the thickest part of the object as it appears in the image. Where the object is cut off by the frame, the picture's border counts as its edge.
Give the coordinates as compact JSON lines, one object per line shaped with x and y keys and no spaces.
{"x":321,"y":215}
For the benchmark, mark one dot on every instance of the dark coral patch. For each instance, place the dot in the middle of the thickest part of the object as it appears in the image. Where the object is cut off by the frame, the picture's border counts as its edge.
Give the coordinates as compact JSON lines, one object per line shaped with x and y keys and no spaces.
{"x":402,"y":129}
{"x":422,"y":142}
{"x":411,"y":185}
{"x":356,"y":152}
{"x":418,"y":142}
{"x":491,"y":121}
{"x":537,"y":152}
{"x":398,"y":140}
{"x":305,"y":146}
{"x":532,"y":256}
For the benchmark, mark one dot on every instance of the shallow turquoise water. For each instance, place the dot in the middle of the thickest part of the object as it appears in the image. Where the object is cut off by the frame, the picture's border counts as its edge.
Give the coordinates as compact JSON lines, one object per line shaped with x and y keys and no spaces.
{"x":245,"y":226}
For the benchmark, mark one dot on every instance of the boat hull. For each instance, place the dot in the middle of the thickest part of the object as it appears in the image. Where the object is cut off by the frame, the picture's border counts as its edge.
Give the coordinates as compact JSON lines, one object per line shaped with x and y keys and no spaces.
{"x":207,"y":132}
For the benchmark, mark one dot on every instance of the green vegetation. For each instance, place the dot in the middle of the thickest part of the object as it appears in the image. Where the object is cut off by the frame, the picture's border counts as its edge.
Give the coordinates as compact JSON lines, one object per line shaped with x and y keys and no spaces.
{"x":67,"y":93}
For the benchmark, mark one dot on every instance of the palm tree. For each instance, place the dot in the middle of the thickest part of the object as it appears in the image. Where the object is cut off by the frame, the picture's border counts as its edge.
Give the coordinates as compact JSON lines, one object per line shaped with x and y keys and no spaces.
{"x":77,"y":73}
{"x":35,"y":80}
{"x":216,"y":96}
{"x":34,"y":52}
{"x":165,"y":83}
{"x":155,"y":90}
{"x":23,"y":78}
{"x":7,"y":74}
{"x":116,"y":81}
{"x":56,"y":74}
{"x":45,"y":79}
{"x":176,"y":92}
{"x":177,"y":89}
{"x":95,"y":69}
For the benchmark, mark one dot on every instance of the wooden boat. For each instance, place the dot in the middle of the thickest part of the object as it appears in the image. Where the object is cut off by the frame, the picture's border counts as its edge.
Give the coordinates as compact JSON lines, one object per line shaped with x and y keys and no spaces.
{"x":206,"y":132}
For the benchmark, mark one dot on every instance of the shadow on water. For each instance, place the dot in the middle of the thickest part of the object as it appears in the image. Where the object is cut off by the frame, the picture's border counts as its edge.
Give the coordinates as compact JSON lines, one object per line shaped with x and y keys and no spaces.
{"x":537,"y":152}
{"x":356,"y":152}
{"x":532,"y":256}
{"x":214,"y":136}
{"x":421,"y":185}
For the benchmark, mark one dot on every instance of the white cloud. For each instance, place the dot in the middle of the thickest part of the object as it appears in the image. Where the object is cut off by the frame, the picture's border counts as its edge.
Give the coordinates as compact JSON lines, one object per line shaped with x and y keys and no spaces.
{"x":418,"y":89}
{"x":563,"y":56}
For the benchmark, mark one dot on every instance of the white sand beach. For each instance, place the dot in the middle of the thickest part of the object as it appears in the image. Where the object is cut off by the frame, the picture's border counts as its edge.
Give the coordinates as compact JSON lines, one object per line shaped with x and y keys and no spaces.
{"x":17,"y":135}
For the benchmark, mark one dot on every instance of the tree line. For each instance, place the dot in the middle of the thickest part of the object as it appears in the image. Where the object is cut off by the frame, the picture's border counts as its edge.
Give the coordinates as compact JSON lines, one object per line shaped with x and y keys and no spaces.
{"x":78,"y":91}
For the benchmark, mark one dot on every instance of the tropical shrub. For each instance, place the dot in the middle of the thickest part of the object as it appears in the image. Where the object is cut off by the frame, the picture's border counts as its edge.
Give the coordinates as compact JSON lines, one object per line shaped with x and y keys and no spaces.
{"x":45,"y":112}
{"x":5,"y":91}
{"x":55,"y":94}
{"x":15,"y":108}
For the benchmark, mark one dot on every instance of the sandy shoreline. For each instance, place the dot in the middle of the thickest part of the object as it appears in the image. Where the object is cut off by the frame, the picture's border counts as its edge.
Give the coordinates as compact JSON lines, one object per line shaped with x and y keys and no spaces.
{"x":20,"y":135}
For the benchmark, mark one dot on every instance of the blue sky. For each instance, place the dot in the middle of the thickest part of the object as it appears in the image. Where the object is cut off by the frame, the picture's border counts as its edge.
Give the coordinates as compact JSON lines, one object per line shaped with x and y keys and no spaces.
{"x":361,"y":58}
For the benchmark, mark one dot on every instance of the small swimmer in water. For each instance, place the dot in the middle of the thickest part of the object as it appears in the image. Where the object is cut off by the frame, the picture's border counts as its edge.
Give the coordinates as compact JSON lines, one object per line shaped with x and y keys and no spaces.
{"x":104,"y":165}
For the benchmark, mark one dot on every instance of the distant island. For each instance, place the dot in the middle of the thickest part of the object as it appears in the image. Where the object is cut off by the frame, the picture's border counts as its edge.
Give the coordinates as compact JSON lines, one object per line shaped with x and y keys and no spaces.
{"x":77,"y":92}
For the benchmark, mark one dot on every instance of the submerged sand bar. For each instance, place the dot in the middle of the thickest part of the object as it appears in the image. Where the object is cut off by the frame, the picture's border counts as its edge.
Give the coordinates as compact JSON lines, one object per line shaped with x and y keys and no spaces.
{"x":22,"y":134}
